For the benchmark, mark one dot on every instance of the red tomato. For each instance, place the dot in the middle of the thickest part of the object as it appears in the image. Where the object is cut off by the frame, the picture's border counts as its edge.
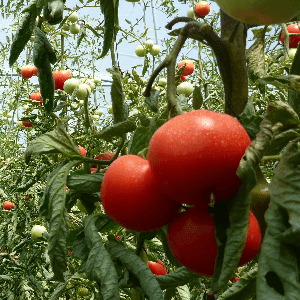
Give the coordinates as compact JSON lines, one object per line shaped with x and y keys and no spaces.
{"x":27,"y":71}
{"x":34,"y":71}
{"x":130,"y":196}
{"x":202,"y":9}
{"x":8,"y":205}
{"x":294,"y":40}
{"x":26,"y":123}
{"x":82,"y":150}
{"x":157,"y":268}
{"x":193,"y":153}
{"x":60,"y":77}
{"x":36,"y":96}
{"x":105,"y":156}
{"x":191,"y":238}
{"x":118,"y":237}
{"x":189,"y":67}
{"x":183,"y":78}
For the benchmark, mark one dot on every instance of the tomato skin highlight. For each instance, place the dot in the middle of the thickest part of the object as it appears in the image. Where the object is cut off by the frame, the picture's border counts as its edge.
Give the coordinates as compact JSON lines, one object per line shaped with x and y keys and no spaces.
{"x":195,"y":152}
{"x":191,"y":238}
{"x":131,"y":198}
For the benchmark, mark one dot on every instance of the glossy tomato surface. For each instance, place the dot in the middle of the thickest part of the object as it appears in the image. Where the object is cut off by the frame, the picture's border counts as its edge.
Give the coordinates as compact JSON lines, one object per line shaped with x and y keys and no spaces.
{"x":195,"y":152}
{"x":131,"y":198}
{"x":295,"y":39}
{"x":191,"y":238}
{"x":157,"y":268}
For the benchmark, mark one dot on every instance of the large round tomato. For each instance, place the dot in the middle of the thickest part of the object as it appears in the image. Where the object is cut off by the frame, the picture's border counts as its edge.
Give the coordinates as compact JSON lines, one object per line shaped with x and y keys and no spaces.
{"x":191,"y":238}
{"x":295,"y":39}
{"x":131,"y":198}
{"x":195,"y":152}
{"x":260,"y":11}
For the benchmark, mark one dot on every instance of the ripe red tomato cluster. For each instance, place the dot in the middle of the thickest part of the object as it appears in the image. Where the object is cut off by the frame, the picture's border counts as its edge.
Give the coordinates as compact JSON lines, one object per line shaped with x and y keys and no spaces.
{"x":7,"y":205}
{"x":189,"y":157}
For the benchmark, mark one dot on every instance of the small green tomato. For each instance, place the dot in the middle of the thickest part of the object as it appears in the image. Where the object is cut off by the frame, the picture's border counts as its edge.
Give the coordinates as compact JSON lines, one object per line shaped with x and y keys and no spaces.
{"x":73,"y":17}
{"x":83,"y":90}
{"x":70,"y":85}
{"x":74,"y":28}
{"x":99,"y":112}
{"x":66,"y":26}
{"x":83,"y":291}
{"x":185,"y":88}
{"x":190,"y":13}
{"x":155,"y":50}
{"x":97,"y":80}
{"x":37,"y":231}
{"x":140,"y":51}
{"x":149,"y":44}
{"x":110,"y":109}
{"x":162,"y":82}
{"x":96,"y":117}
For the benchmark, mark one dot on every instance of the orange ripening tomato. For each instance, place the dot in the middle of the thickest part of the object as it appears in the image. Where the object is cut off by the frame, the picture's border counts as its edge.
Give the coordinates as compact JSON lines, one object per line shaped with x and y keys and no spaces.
{"x":202,"y":9}
{"x":189,"y":67}
{"x":191,"y":238}
{"x":130,"y":196}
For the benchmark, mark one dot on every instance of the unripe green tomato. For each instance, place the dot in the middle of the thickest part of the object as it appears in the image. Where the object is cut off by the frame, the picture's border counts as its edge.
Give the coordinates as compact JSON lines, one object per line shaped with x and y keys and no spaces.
{"x":83,"y":291}
{"x":88,"y":82}
{"x":155,"y":50}
{"x":70,"y":85}
{"x":73,"y":17}
{"x":97,"y":80}
{"x":81,"y":103}
{"x":81,"y":207}
{"x":96,"y":117}
{"x":74,"y":28}
{"x":66,"y":26}
{"x":140,"y":51}
{"x":37,"y":231}
{"x":162,"y":81}
{"x":110,"y":109}
{"x":99,"y":112}
{"x":83,"y":90}
{"x":191,"y":13}
{"x":149,"y":44}
{"x":185,"y":88}
{"x":292,"y":53}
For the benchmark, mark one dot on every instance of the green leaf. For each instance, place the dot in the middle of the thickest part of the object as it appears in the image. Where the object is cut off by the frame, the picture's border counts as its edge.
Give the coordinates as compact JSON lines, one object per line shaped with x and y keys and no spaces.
{"x":99,"y":266}
{"x":152,"y":101}
{"x":89,"y":183}
{"x":22,"y":35}
{"x":107,"y":9}
{"x":197,"y":98}
{"x":59,"y":220}
{"x":42,"y":47}
{"x":278,"y":272}
{"x":59,"y":291}
{"x":46,"y":83}
{"x":117,"y":97}
{"x":137,"y":267}
{"x":116,"y":130}
{"x":56,"y":141}
{"x":141,"y":137}
{"x":180,"y":276}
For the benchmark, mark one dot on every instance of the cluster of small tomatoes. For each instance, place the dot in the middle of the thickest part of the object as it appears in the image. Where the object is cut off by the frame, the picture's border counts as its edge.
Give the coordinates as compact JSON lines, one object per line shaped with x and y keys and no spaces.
{"x":190,"y":157}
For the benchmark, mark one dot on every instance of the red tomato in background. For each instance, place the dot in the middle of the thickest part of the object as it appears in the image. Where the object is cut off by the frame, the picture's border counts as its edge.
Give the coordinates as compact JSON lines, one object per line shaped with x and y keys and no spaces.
{"x":26,"y":123}
{"x":294,"y":40}
{"x":193,"y":153}
{"x":60,"y":77}
{"x":130,"y":196}
{"x":7,"y":205}
{"x":191,"y":238}
{"x":105,"y":156}
{"x":157,"y":268}
{"x":202,"y":9}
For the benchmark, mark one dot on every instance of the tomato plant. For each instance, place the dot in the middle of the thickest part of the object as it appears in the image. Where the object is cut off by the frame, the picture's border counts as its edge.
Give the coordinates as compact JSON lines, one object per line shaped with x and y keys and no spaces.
{"x":130,"y":196}
{"x":189,"y":145}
